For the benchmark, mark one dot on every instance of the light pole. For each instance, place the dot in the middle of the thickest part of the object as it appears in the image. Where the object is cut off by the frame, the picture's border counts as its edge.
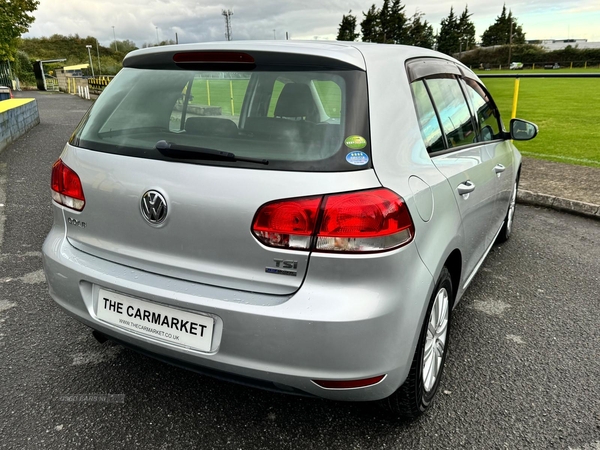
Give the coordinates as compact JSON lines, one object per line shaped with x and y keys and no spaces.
{"x":98,"y":52}
{"x":156,"y":35}
{"x":115,"y":39}
{"x":274,"y":36}
{"x":510,"y":43}
{"x":90,"y":55}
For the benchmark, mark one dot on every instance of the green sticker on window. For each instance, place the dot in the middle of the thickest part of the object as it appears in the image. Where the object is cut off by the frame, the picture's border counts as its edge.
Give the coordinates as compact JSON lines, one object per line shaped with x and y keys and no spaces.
{"x":355,"y":142}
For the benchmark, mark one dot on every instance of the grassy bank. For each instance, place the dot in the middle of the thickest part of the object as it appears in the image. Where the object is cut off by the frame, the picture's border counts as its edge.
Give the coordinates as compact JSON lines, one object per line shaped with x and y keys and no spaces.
{"x":566,"y":110}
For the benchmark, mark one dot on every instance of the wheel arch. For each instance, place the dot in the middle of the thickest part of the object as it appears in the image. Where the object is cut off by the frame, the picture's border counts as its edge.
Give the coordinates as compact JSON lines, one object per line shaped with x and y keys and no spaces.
{"x":454,"y":265}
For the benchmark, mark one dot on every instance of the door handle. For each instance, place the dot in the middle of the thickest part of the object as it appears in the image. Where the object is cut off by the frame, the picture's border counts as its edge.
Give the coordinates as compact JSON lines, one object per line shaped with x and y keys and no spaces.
{"x":499,"y":169}
{"x":466,"y":188}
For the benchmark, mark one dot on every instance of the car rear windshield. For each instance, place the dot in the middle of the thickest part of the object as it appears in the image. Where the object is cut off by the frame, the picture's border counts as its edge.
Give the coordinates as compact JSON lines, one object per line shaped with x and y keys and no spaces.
{"x":305,"y":120}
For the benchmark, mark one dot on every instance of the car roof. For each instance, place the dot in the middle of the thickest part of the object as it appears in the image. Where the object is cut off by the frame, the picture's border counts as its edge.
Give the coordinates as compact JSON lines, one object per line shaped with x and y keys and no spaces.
{"x":357,"y":54}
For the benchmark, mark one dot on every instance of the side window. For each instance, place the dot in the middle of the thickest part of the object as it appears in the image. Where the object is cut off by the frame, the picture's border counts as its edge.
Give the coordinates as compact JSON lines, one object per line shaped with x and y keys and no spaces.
{"x":428,"y":122}
{"x":453,"y":110}
{"x":487,"y":114}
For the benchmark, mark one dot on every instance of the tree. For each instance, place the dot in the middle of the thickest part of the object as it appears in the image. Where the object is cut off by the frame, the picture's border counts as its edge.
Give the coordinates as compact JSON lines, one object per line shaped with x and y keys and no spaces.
{"x":347,"y":30}
{"x":398,"y":24}
{"x":385,"y":25}
{"x":160,"y":44}
{"x":420,"y":32}
{"x":466,"y":30}
{"x":15,"y":19}
{"x":448,"y":37}
{"x":370,"y":27}
{"x":124,"y":47}
{"x":499,"y":32}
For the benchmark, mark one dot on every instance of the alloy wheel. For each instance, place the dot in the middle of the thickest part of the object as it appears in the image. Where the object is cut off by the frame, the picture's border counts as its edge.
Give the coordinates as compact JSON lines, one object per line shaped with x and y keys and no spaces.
{"x":435,"y":342}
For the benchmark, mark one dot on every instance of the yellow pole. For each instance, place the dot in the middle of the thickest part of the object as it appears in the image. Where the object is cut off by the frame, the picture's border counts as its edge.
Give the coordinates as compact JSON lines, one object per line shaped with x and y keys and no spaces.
{"x":585,"y":66}
{"x":515,"y":99}
{"x":231,"y":92}
{"x":533,"y":66}
{"x":208,"y":91}
{"x":571,"y":64}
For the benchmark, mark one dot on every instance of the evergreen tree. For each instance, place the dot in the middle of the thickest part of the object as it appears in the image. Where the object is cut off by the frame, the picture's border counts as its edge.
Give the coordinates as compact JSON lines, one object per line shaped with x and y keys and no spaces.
{"x":499,"y":32}
{"x":370,"y":27}
{"x":466,"y":30}
{"x":398,"y":24}
{"x":347,"y":30}
{"x":15,"y":19}
{"x":449,"y":35}
{"x":420,"y":32}
{"x":385,"y":25}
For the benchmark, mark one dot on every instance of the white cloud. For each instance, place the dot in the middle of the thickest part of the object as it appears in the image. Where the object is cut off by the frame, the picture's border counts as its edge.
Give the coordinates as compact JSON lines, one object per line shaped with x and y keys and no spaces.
{"x":201,"y":20}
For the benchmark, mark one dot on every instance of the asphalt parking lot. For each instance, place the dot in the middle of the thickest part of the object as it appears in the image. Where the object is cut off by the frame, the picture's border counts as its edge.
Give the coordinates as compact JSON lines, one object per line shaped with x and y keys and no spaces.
{"x":523,"y":369}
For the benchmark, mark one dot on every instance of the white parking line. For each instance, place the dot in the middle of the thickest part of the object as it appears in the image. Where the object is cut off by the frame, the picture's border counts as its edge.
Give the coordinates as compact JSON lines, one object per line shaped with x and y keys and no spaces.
{"x":6,"y":305}
{"x":490,"y":307}
{"x":592,"y":446}
{"x":566,"y":158}
{"x":95,"y":357}
{"x":34,"y":277}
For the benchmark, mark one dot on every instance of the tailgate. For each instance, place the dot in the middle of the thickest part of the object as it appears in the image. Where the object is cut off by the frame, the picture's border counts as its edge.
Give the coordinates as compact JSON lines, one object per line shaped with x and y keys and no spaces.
{"x":206,"y":236}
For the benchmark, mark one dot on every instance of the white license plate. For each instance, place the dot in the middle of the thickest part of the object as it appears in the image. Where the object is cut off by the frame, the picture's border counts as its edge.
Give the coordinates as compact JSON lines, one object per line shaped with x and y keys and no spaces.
{"x":173,"y":325}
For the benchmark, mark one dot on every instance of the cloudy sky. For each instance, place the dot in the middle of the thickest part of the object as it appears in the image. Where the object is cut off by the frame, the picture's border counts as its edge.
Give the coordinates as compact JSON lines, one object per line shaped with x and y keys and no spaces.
{"x":201,"y":20}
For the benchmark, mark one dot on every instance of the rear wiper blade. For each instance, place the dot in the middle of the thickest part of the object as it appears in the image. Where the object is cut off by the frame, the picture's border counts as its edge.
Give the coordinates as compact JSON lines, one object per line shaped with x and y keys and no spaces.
{"x":188,"y":152}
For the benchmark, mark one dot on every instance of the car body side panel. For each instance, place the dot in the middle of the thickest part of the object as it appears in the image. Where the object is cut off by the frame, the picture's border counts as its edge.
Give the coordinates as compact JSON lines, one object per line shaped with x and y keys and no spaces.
{"x":399,"y":153}
{"x":504,"y":155}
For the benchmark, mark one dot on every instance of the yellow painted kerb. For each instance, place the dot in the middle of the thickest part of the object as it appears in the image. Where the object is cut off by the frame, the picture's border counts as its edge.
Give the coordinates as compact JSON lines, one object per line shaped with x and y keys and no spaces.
{"x":13,"y":103}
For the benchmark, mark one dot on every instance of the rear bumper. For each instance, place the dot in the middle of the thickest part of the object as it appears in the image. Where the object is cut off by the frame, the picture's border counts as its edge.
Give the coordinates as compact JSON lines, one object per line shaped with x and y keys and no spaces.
{"x":353,"y":318}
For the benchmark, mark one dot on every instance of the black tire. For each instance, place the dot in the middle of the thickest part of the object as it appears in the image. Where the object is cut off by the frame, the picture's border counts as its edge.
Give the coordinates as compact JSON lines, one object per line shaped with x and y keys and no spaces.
{"x":412,"y":399}
{"x":507,"y":228}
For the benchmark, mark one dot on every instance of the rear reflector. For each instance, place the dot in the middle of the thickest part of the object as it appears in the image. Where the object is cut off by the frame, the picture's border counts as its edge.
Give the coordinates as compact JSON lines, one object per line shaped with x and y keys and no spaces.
{"x":66,"y":187}
{"x":349,"y":384}
{"x":364,"y":221}
{"x":213,"y":57}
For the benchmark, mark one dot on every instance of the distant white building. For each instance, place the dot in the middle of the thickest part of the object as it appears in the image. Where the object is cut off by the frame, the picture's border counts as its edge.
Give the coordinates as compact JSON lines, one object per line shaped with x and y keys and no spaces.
{"x":559,"y":44}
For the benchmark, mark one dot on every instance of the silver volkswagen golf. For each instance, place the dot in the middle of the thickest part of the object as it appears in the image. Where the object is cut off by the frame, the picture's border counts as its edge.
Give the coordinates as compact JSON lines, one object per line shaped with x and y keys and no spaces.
{"x":297,"y":216}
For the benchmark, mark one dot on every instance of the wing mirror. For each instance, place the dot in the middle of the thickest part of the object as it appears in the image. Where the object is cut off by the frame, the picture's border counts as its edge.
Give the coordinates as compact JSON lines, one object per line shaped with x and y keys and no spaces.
{"x":521,"y":130}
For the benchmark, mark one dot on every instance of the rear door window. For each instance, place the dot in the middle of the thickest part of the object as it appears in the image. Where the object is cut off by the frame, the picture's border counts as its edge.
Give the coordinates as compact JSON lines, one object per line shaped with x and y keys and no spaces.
{"x":453,"y":111}
{"x":428,"y":121}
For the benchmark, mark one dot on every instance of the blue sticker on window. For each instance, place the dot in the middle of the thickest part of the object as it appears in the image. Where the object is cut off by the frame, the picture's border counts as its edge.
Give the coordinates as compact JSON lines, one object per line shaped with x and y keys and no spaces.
{"x":357,"y":158}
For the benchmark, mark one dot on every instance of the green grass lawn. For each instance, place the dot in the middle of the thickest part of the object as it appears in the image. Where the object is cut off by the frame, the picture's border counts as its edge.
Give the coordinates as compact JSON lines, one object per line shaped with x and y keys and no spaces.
{"x":542,"y":70}
{"x":567,"y":111}
{"x":218,"y":93}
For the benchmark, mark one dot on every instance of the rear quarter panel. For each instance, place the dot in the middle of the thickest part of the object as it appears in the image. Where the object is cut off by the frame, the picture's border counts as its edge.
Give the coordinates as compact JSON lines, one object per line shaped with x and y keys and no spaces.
{"x":398,"y":153}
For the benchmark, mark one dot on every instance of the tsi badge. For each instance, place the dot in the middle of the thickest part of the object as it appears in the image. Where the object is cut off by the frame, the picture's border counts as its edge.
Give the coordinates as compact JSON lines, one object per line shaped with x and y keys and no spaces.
{"x":284,"y":267}
{"x":77,"y":223}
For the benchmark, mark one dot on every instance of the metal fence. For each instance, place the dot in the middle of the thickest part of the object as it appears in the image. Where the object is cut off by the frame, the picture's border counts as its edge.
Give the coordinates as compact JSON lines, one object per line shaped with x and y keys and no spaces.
{"x":97,"y":84}
{"x":5,"y":74}
{"x":542,"y":65}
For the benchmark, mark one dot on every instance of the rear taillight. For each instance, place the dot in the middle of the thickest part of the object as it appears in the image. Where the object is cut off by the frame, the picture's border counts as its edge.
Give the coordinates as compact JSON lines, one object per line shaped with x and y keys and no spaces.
{"x":287,"y":223}
{"x":365,"y":221}
{"x":66,"y":187}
